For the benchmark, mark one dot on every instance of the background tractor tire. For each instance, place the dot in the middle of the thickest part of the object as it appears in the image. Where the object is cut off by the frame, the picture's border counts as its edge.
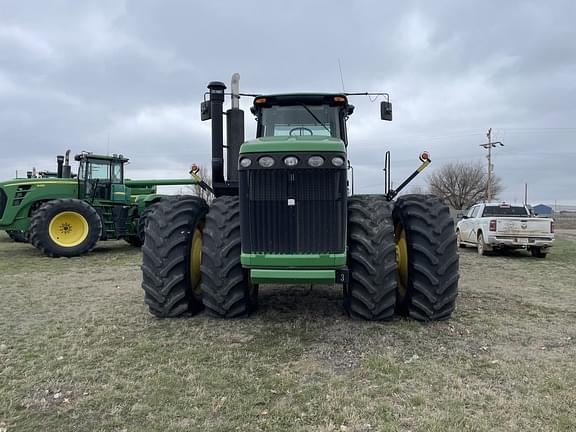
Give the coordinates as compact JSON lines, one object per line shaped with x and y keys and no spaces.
{"x":138,"y":239}
{"x":370,"y":293}
{"x":168,"y":267}
{"x":65,"y":228}
{"x":428,"y":267}
{"x":226,"y":289}
{"x":18,"y":236}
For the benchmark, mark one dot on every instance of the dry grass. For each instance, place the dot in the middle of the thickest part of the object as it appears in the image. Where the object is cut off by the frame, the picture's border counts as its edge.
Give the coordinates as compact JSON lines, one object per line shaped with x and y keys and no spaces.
{"x":79,"y":351}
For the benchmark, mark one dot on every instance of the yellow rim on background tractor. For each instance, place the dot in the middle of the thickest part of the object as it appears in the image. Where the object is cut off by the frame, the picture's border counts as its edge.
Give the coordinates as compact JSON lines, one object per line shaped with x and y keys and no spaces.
{"x":195,"y":261}
{"x":401,"y":259}
{"x":68,"y":229}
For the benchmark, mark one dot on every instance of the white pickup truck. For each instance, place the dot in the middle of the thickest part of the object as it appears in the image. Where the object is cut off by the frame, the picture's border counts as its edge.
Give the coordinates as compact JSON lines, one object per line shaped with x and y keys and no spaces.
{"x":494,"y":226}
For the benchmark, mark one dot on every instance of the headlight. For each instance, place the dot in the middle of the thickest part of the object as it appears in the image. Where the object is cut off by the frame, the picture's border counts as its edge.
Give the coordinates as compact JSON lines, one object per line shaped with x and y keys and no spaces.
{"x":316,"y":161}
{"x":337,"y":161}
{"x":266,"y":161}
{"x":245,"y":162}
{"x":291,"y":161}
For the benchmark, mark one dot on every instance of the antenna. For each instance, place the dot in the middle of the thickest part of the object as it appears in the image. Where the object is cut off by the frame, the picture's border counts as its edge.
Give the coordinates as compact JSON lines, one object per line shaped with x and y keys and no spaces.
{"x":108,"y":145}
{"x":341,"y":76}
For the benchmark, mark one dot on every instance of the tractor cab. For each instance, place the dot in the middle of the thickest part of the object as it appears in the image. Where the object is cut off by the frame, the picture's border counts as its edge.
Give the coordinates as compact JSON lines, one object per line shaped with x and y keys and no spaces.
{"x":302,"y":115}
{"x":102,"y":177}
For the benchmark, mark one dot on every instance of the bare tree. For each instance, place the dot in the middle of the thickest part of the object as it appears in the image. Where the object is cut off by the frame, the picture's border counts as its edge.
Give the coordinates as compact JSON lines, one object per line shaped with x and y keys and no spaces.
{"x":463,"y":184}
{"x":416,"y":189}
{"x":196,"y":190}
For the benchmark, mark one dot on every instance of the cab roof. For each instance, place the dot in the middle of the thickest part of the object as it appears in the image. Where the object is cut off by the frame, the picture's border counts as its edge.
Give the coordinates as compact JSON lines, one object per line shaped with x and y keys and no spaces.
{"x":332,"y":99}
{"x":88,"y":155}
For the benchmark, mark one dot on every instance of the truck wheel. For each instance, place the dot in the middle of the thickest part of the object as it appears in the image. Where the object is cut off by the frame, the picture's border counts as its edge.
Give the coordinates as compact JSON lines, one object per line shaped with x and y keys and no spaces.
{"x":171,"y":256}
{"x":65,"y":228}
{"x":226,"y":289}
{"x":482,"y":247}
{"x":427,"y":255}
{"x":537,"y":252}
{"x":371,"y":292}
{"x":18,"y":236}
{"x":459,"y":240}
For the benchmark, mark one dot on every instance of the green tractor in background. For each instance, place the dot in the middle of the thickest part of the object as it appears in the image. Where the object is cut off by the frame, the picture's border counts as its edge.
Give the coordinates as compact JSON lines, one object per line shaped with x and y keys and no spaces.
{"x":284,"y":215}
{"x":65,"y":215}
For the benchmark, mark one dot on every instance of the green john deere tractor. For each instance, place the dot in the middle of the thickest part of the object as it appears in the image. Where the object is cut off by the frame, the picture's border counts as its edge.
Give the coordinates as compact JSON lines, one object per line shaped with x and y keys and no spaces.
{"x":66,"y":215}
{"x":284,"y":215}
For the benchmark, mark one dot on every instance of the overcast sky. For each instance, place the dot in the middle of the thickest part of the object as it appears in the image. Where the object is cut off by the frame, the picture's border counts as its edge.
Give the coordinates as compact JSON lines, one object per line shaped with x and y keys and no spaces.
{"x":82,"y":74}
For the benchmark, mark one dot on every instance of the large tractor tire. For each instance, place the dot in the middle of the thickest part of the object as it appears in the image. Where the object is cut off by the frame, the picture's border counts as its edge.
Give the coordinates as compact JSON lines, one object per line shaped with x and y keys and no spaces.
{"x":370,"y":293}
{"x":65,"y":228}
{"x":138,"y":239}
{"x":171,"y":256}
{"x":18,"y":236}
{"x":427,"y":256}
{"x":226,"y":289}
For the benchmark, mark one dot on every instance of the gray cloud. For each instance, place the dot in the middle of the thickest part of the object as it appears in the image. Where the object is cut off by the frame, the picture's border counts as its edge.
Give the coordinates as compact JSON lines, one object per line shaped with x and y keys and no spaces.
{"x":77,"y":74}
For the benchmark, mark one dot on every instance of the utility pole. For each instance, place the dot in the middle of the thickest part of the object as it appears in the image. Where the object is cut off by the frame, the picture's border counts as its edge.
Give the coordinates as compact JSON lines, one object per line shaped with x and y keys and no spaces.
{"x":526,"y":193}
{"x":489,"y":146}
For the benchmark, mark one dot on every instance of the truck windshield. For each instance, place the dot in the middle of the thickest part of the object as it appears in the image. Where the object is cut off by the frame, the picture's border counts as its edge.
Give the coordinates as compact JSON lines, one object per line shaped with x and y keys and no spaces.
{"x":300,"y":120}
{"x":490,"y":211}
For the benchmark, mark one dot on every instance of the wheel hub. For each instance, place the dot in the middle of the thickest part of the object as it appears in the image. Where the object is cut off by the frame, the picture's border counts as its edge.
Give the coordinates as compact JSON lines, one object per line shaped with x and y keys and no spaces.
{"x":68,"y":229}
{"x":195,"y":261}
{"x":401,"y":259}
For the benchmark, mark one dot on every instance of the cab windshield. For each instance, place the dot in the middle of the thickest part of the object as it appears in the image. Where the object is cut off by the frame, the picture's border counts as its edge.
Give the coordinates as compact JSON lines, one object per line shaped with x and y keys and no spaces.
{"x":300,"y":120}
{"x":101,"y":170}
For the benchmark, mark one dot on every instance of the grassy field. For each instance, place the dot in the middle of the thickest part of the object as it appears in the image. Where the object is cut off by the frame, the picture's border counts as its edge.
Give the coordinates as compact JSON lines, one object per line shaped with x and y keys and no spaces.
{"x":80,"y":352}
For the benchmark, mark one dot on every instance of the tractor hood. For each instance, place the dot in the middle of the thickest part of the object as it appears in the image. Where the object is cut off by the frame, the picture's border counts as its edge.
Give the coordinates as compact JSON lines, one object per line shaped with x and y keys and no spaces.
{"x":38,"y":181}
{"x":18,"y":197}
{"x":293,"y":144}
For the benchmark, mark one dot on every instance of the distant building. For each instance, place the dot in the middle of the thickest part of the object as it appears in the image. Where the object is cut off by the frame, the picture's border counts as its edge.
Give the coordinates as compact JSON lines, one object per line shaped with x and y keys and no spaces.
{"x":543,"y":210}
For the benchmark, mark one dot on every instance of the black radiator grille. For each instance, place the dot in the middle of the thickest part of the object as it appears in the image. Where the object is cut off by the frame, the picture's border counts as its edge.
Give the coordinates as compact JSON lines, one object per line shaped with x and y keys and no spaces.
{"x":293,"y":211}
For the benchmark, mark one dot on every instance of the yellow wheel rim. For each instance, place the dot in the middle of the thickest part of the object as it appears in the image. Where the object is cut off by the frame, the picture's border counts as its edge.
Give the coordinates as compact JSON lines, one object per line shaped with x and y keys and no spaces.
{"x":401,"y":259}
{"x":195,"y":261}
{"x":68,"y":229}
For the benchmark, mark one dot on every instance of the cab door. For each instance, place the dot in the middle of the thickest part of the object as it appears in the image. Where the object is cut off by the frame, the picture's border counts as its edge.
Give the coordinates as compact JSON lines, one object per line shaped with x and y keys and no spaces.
{"x":97,"y":184}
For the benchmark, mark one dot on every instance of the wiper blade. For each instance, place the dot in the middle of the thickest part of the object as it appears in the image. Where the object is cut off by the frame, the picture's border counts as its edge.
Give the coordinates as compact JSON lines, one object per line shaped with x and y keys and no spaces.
{"x":315,"y":118}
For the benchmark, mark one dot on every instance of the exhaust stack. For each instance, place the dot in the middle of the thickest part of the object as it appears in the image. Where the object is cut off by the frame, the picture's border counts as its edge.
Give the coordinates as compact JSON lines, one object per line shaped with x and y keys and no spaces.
{"x":66,"y":169}
{"x":216,"y":103}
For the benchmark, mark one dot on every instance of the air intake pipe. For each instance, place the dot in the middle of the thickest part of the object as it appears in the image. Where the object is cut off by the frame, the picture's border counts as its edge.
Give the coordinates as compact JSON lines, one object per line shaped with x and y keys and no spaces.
{"x":60,"y":162}
{"x":234,"y":130}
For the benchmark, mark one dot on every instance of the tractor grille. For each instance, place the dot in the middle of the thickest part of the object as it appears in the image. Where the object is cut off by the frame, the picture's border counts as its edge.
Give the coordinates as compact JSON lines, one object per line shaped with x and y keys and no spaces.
{"x":291,"y":211}
{"x":3,"y":200}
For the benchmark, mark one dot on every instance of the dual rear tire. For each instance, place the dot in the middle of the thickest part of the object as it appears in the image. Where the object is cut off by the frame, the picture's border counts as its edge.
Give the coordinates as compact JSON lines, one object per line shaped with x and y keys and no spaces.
{"x":402,"y":257}
{"x":191,"y":259}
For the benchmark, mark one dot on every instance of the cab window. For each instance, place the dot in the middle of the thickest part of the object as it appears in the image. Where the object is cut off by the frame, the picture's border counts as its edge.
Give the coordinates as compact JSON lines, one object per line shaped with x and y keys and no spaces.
{"x":300,"y":120}
{"x":99,"y":171}
{"x":116,"y":173}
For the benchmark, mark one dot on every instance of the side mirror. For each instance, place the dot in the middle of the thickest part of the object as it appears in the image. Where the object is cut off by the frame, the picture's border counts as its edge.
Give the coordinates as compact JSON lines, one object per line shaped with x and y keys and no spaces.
{"x":386,"y":111}
{"x":205,"y":112}
{"x":464,"y":216}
